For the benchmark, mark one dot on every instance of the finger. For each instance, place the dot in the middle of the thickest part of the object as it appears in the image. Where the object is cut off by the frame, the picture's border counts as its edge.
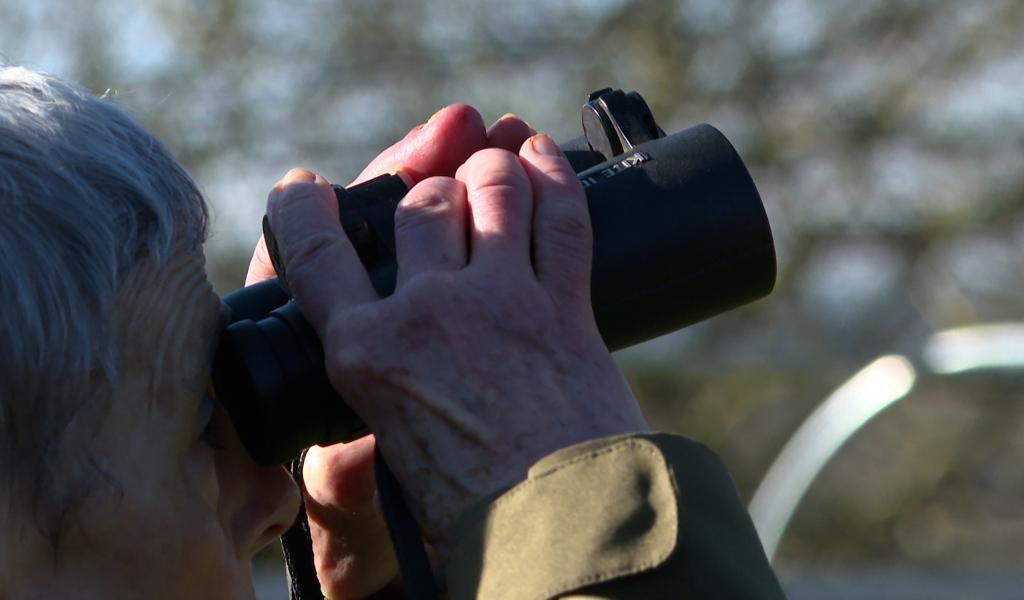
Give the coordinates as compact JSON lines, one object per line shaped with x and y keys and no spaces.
{"x":437,"y":147}
{"x":500,"y":208}
{"x":508,"y":133}
{"x":341,"y":475}
{"x":430,"y":228}
{"x":351,"y":548}
{"x":323,"y":271}
{"x":260,"y":266}
{"x":562,"y":236}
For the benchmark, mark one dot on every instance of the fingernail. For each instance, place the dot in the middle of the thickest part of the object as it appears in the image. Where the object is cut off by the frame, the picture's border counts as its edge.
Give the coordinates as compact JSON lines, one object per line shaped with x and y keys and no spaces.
{"x":301,"y":175}
{"x":508,"y":116}
{"x":399,"y":169}
{"x":435,"y":115}
{"x":542,"y":144}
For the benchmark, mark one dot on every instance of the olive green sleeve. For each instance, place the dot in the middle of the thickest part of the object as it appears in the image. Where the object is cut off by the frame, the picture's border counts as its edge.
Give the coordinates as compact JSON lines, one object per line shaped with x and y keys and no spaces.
{"x":642,"y":516}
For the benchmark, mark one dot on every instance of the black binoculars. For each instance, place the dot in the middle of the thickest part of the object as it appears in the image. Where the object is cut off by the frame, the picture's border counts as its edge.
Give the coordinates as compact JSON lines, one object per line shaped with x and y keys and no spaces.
{"x":680,"y":235}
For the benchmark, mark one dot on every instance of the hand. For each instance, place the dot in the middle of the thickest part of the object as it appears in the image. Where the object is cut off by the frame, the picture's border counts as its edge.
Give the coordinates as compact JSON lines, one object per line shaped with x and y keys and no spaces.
{"x":352,"y":550}
{"x":483,"y":360}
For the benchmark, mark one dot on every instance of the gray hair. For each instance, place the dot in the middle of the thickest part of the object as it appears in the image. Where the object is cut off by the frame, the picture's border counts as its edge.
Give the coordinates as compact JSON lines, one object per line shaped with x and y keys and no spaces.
{"x":86,"y":195}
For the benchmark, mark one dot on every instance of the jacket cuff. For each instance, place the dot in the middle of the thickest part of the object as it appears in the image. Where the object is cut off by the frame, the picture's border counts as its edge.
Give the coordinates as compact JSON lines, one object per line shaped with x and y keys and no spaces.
{"x":586,"y":514}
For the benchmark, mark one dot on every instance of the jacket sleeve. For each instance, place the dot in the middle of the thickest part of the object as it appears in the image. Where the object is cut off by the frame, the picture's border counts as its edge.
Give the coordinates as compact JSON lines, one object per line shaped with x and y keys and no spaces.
{"x":641,"y":516}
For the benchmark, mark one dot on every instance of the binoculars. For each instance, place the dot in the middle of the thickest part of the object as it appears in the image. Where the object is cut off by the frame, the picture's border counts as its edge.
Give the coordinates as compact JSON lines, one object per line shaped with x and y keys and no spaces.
{"x":680,"y":235}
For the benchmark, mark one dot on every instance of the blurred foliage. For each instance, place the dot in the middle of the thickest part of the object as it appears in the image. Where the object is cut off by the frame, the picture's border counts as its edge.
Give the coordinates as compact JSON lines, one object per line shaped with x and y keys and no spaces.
{"x":885,"y":137}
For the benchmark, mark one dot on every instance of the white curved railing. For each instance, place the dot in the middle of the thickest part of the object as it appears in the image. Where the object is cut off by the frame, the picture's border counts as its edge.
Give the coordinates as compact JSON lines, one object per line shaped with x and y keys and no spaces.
{"x":992,"y":346}
{"x":858,"y":400}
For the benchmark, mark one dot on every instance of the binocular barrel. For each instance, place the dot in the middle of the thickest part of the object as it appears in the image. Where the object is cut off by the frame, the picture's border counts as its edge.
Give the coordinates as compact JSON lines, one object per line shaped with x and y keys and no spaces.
{"x":680,"y":235}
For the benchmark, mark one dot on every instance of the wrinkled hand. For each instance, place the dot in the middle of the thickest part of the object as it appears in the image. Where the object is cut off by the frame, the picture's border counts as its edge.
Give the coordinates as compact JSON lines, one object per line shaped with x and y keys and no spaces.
{"x":487,"y":356}
{"x":482,"y":361}
{"x":352,"y":550}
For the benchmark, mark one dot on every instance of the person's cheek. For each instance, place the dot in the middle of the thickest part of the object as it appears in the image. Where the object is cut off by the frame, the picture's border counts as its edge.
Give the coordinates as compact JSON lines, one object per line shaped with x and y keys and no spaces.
{"x":203,"y":474}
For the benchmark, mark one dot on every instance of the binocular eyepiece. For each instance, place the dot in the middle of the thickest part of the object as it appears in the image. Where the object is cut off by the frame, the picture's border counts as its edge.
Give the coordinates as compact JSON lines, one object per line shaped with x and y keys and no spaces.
{"x":680,"y":235}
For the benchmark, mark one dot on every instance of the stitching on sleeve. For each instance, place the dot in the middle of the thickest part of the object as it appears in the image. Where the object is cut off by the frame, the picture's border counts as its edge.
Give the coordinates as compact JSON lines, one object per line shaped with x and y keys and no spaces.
{"x":643,"y":445}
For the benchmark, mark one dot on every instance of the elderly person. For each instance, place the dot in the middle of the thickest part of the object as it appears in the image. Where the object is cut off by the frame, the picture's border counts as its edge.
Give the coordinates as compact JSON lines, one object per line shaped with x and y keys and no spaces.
{"x":520,"y":448}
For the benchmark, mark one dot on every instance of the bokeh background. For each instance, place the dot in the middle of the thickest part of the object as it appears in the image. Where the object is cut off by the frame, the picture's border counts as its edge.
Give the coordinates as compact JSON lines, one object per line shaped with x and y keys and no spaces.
{"x":886,"y":138}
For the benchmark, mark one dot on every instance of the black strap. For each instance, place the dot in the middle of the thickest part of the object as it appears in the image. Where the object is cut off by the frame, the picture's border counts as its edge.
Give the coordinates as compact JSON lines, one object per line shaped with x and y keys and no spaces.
{"x":298,"y":548}
{"x":413,"y":563}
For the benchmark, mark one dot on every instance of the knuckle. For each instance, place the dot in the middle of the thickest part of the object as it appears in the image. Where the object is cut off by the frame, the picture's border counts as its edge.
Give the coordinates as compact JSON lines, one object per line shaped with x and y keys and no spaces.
{"x":300,"y":254}
{"x":431,"y":200}
{"x":430,"y":191}
{"x":430,"y":292}
{"x":494,"y":167}
{"x":566,"y":249}
{"x":344,"y":358}
{"x":497,"y":181}
{"x":427,"y":209}
{"x":496,"y":192}
{"x":572,"y":228}
{"x":570,"y":238}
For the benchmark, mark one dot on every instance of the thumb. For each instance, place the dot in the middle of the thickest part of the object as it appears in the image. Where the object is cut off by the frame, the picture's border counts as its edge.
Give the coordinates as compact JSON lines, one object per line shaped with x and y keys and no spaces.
{"x":351,"y":547}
